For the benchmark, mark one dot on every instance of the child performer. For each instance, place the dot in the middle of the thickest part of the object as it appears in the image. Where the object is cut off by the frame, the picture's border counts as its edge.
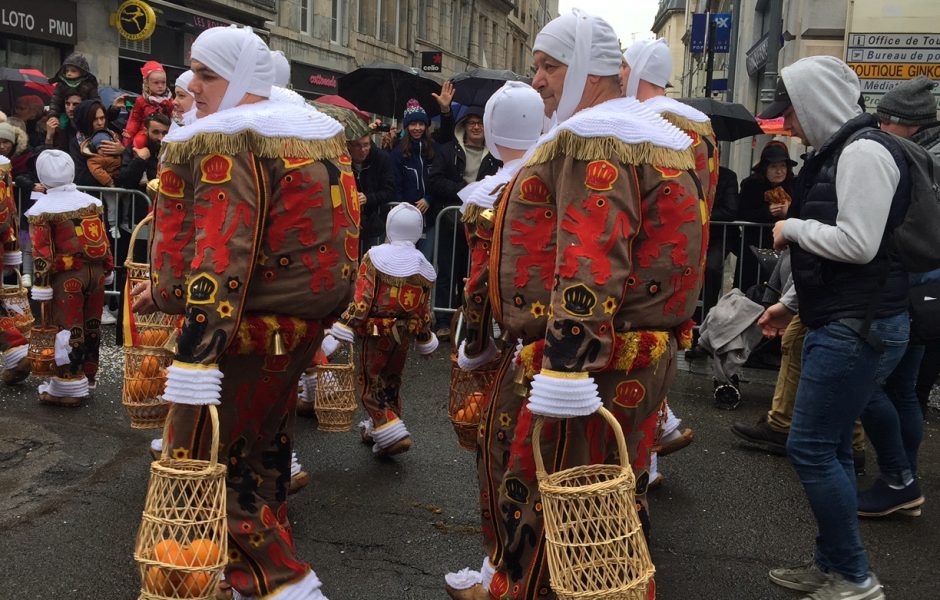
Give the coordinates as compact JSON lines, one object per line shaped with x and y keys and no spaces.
{"x":72,"y":264}
{"x":391,"y":307}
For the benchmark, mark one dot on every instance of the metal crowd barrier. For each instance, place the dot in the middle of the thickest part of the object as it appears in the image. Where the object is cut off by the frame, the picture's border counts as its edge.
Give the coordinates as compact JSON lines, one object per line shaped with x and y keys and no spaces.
{"x":121,"y":214}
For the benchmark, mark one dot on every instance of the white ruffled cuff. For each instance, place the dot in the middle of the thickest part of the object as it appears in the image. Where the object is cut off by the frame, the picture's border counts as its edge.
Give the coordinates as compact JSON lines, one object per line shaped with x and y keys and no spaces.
{"x":388,"y":434}
{"x":66,"y":388}
{"x":329,"y":345}
{"x":307,"y":588}
{"x":563,"y":395}
{"x":63,"y":347}
{"x":40,"y":294}
{"x":192,"y":384}
{"x":342,"y":333}
{"x":13,"y":259}
{"x":12,"y":357}
{"x":109,"y":279}
{"x":463,"y":579}
{"x":487,"y":570}
{"x":295,"y":466}
{"x":428,"y":346}
{"x":469,"y":364}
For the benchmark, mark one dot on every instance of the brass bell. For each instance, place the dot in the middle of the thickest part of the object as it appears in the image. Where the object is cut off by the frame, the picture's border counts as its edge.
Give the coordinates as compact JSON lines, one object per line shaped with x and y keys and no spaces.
{"x":375,"y":330}
{"x":279,"y":348}
{"x":170,"y":344}
{"x":153,"y":188}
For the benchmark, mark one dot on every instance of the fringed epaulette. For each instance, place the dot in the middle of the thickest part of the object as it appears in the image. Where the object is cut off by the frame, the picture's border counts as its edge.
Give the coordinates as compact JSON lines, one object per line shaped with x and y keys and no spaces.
{"x":400,"y":281}
{"x":474,"y":212}
{"x":57,"y":217}
{"x":5,"y":169}
{"x":569,"y":144}
{"x":230,"y":144}
{"x":685,"y":124}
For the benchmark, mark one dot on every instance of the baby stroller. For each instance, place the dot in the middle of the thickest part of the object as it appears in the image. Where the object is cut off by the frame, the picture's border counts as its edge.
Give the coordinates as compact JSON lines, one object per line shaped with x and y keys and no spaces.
{"x":730,"y":332}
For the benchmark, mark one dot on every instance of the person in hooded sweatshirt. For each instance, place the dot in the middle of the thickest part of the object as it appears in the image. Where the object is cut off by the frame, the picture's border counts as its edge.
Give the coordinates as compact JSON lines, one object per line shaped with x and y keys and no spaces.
{"x":391,"y":310}
{"x":74,"y":74}
{"x":72,"y":264}
{"x":853,"y":189}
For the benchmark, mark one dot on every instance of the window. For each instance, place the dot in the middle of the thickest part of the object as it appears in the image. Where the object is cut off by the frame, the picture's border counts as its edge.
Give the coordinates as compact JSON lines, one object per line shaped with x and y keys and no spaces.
{"x":368,"y":16}
{"x":457,"y":29}
{"x":424,"y":11}
{"x":338,"y":21}
{"x":387,"y":19}
{"x":481,"y":41}
{"x":306,"y":16}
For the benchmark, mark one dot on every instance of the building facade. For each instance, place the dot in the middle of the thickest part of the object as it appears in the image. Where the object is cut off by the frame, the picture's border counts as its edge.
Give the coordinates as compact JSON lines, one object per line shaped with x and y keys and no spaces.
{"x":323,"y":39}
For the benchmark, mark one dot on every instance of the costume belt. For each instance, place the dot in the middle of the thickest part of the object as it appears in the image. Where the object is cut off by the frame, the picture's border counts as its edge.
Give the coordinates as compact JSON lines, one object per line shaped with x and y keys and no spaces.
{"x":274,"y":334}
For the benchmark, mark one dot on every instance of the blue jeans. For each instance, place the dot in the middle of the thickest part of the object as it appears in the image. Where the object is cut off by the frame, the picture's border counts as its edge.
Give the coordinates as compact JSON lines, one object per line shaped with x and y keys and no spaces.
{"x":894,"y":421}
{"x":841,"y":373}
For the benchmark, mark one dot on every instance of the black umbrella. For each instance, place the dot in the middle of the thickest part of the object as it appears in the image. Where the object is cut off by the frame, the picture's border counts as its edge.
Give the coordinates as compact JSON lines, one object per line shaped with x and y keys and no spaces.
{"x":385,"y":89}
{"x":475,"y":87}
{"x":731,"y":121}
{"x":15,"y":83}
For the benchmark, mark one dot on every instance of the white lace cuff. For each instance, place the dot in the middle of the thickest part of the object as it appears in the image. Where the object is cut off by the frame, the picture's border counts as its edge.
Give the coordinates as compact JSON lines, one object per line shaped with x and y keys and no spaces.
{"x":12,"y":259}
{"x":428,"y":346}
{"x":463,"y":579}
{"x":563,"y":395}
{"x":342,"y":333}
{"x":329,"y":345}
{"x":388,"y":434}
{"x":306,"y":588}
{"x":12,"y":357}
{"x":193,"y":384}
{"x":41,"y":294}
{"x":65,"y":388}
{"x":471,"y":363}
{"x":109,"y":279}
{"x":62,"y":347}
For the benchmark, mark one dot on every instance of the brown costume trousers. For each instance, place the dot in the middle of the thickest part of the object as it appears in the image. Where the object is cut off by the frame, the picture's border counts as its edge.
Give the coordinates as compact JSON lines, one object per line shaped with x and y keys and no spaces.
{"x":77,"y":301}
{"x":256,"y":421}
{"x":510,"y":502}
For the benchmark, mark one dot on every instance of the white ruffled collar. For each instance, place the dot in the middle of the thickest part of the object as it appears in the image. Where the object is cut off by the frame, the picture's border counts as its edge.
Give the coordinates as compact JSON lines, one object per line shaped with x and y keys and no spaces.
{"x":61,"y":199}
{"x":268,"y":118}
{"x":484,"y":193}
{"x":626,"y":119}
{"x":401,"y":259}
{"x":661,"y":104}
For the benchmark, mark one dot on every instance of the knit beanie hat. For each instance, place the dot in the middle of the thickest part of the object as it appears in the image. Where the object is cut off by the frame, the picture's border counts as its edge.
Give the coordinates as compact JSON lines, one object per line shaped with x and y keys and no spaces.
{"x":513,"y":117}
{"x":414,"y":112}
{"x":910,"y":103}
{"x":7,"y":132}
{"x":55,"y":168}
{"x":240,"y":57}
{"x":404,"y":223}
{"x":151,"y":66}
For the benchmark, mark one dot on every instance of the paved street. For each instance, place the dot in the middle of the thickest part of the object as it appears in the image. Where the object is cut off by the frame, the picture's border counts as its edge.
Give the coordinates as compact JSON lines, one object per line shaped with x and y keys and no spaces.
{"x":73,"y":483}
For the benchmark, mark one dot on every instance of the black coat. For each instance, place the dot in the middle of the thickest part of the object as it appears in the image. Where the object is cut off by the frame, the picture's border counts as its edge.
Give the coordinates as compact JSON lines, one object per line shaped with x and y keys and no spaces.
{"x":376,"y":179}
{"x":133,"y":168}
{"x":87,"y":89}
{"x":446,"y":177}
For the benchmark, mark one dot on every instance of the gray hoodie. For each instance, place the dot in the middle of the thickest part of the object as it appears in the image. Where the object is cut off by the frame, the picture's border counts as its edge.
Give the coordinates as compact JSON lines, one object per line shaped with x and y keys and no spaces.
{"x":824,"y":92}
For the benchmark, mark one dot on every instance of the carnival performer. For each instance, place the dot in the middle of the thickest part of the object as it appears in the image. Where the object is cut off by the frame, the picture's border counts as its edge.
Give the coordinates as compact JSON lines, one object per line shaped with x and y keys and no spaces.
{"x":390,"y":310}
{"x":512,"y":123}
{"x":595,"y":266}
{"x":644,"y":74}
{"x":257,"y":208}
{"x":13,"y":345}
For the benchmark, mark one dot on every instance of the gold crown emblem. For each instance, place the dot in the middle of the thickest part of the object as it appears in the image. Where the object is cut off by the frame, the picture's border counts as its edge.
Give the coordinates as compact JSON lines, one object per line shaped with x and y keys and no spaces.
{"x":579,"y":301}
{"x":202,"y":290}
{"x":534,"y":190}
{"x":171,"y":184}
{"x":216,"y":169}
{"x":600,"y":176}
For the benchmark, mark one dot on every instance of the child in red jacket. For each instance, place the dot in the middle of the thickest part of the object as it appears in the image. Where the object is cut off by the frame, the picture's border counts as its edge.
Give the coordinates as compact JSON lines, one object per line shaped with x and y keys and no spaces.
{"x":156,"y":98}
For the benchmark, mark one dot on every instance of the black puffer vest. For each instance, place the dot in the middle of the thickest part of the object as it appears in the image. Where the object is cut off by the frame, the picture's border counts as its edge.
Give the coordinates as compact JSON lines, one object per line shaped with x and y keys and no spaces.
{"x":829,"y":290}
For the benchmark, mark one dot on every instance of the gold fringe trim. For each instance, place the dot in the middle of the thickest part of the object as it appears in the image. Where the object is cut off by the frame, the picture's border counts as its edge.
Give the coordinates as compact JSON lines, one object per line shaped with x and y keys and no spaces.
{"x":6,"y":169}
{"x":81,"y":213}
{"x":572,"y":145}
{"x":230,"y":144}
{"x":689,"y":125}
{"x":647,"y":346}
{"x":400,"y":281}
{"x":471,"y":213}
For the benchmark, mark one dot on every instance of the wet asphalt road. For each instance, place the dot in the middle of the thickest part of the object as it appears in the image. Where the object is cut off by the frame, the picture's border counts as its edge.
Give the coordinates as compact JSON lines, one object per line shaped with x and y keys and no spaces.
{"x":72,"y":484}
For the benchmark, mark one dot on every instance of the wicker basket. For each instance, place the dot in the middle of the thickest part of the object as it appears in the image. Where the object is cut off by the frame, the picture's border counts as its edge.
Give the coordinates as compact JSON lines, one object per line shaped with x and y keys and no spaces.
{"x":42,"y":347}
{"x":470,"y":393}
{"x":182,"y":544}
{"x":595,"y":544}
{"x":144,"y":380}
{"x":15,"y":303}
{"x":335,"y":400}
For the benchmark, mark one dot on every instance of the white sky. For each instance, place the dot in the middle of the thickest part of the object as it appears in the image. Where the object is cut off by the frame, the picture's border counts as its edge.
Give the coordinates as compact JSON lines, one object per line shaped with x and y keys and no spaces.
{"x":631,"y":19}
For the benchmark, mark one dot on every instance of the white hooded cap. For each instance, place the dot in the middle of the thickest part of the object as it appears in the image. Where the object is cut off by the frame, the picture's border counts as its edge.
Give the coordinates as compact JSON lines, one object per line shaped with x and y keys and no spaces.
{"x":587,"y":45}
{"x":238,"y":56}
{"x":281,"y":69}
{"x":404,"y":224}
{"x":649,"y":60}
{"x":55,"y":168}
{"x":183,"y":81}
{"x":513,"y":117}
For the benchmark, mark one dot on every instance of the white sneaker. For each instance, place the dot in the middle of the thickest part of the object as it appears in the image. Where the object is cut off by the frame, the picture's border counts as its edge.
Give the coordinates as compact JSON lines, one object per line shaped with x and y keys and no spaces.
{"x":107,"y":318}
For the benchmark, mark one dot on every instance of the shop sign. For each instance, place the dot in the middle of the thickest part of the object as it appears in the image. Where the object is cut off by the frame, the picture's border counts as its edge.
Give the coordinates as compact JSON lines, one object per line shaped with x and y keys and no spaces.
{"x":312,"y":79}
{"x":884,"y":60}
{"x":431,"y":61}
{"x":135,"y":20}
{"x":50,"y":20}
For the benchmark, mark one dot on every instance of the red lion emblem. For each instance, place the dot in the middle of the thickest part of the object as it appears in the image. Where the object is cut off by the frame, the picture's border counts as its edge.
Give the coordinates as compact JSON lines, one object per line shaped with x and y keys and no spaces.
{"x":589,"y":225}
{"x":533,"y":233}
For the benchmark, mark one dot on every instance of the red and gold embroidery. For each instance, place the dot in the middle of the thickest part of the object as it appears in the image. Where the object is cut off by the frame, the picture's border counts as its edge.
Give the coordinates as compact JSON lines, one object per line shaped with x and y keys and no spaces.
{"x":216,"y":169}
